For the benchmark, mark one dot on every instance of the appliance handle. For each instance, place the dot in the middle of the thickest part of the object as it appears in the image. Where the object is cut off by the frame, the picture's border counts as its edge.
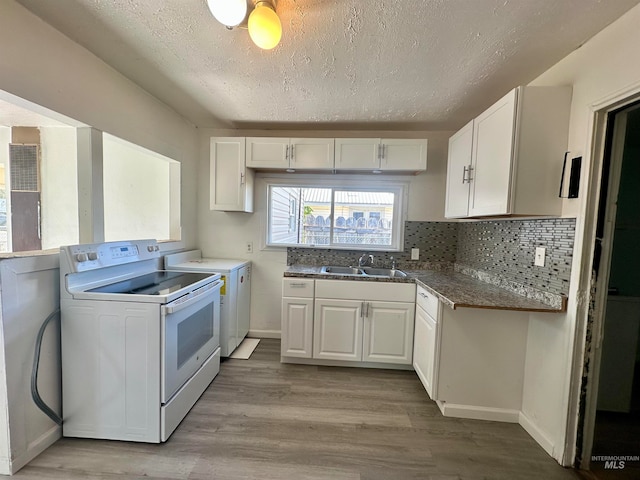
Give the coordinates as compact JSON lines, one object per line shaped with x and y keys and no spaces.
{"x":191,"y":298}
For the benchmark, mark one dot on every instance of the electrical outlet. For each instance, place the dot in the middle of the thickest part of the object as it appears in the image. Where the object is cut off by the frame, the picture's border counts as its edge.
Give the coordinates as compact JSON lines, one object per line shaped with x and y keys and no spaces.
{"x":415,"y":254}
{"x":249,"y":247}
{"x":539,"y":258}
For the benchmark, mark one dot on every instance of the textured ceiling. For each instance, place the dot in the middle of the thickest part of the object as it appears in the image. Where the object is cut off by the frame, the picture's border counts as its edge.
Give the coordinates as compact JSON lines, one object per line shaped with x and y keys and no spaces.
{"x":403,"y":64}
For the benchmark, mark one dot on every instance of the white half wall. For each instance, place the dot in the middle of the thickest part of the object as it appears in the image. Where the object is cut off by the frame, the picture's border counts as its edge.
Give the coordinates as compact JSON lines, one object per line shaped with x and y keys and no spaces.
{"x":224,"y":234}
{"x":30,"y":292}
{"x":603,"y":66}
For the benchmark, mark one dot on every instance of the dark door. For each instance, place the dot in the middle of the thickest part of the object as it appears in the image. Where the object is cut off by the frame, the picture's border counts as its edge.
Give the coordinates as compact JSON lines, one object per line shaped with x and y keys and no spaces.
{"x":25,"y":197}
{"x":25,"y":221}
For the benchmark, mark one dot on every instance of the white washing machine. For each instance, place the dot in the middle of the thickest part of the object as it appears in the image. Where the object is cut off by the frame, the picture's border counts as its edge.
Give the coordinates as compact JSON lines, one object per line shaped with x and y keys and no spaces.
{"x":235,"y":294}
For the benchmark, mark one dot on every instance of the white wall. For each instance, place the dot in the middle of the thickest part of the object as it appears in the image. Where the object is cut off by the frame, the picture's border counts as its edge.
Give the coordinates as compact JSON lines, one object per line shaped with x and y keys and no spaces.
{"x":224,"y":234}
{"x":136,"y":192}
{"x":45,"y":67}
{"x":59,"y":187}
{"x":602,"y":67}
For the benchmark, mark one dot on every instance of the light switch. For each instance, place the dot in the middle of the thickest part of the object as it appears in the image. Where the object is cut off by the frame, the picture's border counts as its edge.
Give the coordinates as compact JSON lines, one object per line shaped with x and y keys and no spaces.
{"x":539,"y":259}
{"x":415,"y":254}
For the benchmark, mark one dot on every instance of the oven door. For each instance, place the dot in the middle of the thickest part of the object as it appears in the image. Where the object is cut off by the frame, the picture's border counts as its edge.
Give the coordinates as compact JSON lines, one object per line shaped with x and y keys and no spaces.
{"x":190,"y":334}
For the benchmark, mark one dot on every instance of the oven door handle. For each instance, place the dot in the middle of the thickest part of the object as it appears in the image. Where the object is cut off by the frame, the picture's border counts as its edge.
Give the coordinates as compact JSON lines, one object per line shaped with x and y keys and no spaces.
{"x":191,"y":298}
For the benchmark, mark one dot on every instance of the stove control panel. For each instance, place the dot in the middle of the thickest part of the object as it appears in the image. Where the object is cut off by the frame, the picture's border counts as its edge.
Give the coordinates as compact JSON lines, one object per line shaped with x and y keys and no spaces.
{"x":91,"y":256}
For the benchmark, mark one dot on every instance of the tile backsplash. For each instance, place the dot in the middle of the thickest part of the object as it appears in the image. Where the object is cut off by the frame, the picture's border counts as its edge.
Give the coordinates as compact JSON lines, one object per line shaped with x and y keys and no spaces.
{"x":505,"y":249}
{"x":500,"y":251}
{"x":436,"y":241}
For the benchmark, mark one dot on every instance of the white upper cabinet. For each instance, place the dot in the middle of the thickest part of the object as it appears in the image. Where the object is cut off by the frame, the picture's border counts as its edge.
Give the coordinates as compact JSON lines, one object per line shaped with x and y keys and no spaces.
{"x":357,"y":154}
{"x":294,"y":153}
{"x":491,"y":166}
{"x":311,"y":153}
{"x":401,"y":154}
{"x":381,"y":154}
{"x":267,"y":152}
{"x":515,"y":164}
{"x":231,"y":183}
{"x":460,"y":148}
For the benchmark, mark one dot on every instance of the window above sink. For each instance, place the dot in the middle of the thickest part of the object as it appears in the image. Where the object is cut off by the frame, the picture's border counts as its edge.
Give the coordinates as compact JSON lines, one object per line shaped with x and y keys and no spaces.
{"x":345,"y":216}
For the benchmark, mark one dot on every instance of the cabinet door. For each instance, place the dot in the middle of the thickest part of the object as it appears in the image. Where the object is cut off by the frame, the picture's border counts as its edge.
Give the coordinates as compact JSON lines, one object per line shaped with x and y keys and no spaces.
{"x":311,"y":153}
{"x":266,"y":152}
{"x":403,"y":154}
{"x":460,"y":148}
{"x":425,"y":351}
{"x":230,"y":183}
{"x":337,"y":330}
{"x":297,"y":327}
{"x":358,"y":153}
{"x":388,"y":332}
{"x":493,"y":139}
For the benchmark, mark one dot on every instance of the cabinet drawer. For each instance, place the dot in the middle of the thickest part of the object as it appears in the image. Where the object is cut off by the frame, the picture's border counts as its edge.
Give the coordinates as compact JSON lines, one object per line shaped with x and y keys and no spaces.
{"x":298,"y":287}
{"x":428,"y":301}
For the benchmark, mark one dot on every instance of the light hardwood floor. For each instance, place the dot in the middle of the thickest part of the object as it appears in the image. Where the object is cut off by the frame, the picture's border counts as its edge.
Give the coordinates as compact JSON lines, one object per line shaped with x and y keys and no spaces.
{"x":261,"y":419}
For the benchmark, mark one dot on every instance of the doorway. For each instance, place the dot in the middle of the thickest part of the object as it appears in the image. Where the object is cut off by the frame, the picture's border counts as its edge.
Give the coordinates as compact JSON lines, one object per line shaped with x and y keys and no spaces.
{"x":615,"y":449}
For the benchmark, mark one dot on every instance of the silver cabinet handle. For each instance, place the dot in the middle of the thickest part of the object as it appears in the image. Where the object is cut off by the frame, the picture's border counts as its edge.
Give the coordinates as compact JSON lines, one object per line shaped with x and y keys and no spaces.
{"x":362,"y":310}
{"x":298,"y":285}
{"x":470,"y":169}
{"x":292,"y":153}
{"x":286,"y":154}
{"x":368,"y":306}
{"x":464,"y":174}
{"x":242,"y":179}
{"x":423,"y":295}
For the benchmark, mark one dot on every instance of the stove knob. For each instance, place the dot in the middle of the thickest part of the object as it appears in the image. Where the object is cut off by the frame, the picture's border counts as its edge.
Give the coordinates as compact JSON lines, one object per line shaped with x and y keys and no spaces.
{"x":93,"y":256}
{"x":150,"y":248}
{"x":156,"y":248}
{"x":81,"y":257}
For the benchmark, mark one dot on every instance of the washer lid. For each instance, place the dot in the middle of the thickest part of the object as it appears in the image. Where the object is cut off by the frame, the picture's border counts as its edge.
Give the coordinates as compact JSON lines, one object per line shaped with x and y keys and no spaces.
{"x":211,"y":264}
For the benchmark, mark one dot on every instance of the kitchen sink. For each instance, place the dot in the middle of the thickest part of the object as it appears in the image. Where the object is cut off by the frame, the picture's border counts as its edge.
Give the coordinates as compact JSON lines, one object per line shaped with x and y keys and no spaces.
{"x":383,"y":272}
{"x":363,"y":271}
{"x":341,"y":270}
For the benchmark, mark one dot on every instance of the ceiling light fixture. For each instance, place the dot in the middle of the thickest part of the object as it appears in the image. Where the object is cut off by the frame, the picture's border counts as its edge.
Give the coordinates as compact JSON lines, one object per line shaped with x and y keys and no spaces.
{"x":230,"y":13}
{"x":265,"y":28}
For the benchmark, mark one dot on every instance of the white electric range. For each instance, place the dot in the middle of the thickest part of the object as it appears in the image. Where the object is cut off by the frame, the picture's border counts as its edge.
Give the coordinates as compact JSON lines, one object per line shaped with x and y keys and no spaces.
{"x":139,"y":344}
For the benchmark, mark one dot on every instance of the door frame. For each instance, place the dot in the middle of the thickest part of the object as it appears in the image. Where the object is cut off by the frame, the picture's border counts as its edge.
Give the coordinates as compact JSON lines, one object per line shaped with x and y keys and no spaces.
{"x":585,"y":359}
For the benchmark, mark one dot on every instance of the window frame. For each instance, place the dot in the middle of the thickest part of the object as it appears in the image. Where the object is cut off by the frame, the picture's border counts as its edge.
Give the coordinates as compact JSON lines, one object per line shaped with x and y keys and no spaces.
{"x":400,"y":188}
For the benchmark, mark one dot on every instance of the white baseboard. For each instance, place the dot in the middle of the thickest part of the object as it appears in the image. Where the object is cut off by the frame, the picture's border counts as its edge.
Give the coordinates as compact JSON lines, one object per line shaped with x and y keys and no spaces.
{"x":537,"y":434}
{"x":264,"y":334}
{"x":36,"y":447}
{"x":479,"y":413}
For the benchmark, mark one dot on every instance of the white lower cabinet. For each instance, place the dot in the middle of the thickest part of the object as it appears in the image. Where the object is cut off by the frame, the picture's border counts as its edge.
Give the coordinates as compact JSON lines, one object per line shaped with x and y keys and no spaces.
{"x":359,"y":321}
{"x":347,"y":321}
{"x":297,"y":327}
{"x":388,"y":332}
{"x":337,"y":329}
{"x":426,"y":340}
{"x":297,"y":318}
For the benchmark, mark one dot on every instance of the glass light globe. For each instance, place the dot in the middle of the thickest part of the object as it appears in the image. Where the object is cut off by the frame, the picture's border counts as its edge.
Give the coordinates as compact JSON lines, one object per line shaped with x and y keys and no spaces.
{"x":265,"y":28}
{"x":228,"y":12}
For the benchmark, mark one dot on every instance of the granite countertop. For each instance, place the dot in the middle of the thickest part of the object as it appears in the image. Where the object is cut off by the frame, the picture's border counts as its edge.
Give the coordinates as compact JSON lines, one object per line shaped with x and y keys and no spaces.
{"x":456,"y":290}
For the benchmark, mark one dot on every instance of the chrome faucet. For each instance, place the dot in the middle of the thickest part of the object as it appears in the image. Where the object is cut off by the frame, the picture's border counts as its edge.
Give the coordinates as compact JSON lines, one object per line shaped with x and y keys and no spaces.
{"x":365,"y":259}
